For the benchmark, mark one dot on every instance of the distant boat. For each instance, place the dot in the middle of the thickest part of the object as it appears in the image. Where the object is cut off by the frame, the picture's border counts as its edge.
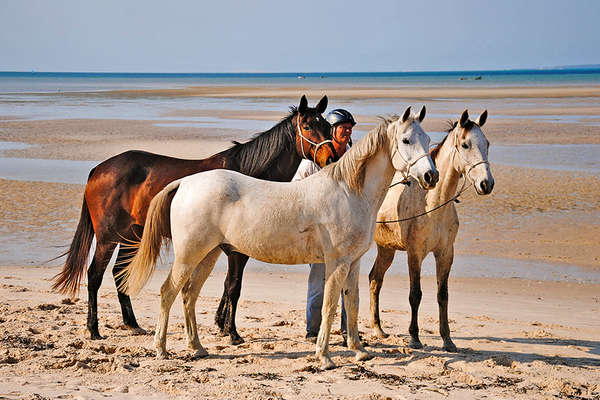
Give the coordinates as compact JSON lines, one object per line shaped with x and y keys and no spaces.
{"x":300,"y":76}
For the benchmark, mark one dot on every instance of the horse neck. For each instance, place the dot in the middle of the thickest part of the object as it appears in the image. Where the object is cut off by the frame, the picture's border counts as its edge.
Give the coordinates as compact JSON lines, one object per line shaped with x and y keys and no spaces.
{"x":283,"y":167}
{"x":276,"y":166}
{"x":449,"y":176}
{"x":379,"y":173}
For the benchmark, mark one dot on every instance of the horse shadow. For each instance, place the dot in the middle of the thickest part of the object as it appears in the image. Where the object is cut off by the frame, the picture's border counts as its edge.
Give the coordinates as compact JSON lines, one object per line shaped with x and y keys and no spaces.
{"x":592,"y":345}
{"x":470,"y":355}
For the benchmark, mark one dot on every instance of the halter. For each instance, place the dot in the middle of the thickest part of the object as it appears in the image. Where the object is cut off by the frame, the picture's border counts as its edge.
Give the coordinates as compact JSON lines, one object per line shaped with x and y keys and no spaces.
{"x":406,"y":174}
{"x":302,"y":137}
{"x":469,"y":166}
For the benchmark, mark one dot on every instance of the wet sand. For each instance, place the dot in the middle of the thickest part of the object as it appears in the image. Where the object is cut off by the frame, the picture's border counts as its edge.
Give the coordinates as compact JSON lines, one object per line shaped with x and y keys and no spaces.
{"x":518,"y":338}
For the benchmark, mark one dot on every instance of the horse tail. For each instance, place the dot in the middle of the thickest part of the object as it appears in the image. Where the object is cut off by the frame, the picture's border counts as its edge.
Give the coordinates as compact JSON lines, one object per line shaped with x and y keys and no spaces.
{"x":68,"y":280}
{"x":157,"y":228}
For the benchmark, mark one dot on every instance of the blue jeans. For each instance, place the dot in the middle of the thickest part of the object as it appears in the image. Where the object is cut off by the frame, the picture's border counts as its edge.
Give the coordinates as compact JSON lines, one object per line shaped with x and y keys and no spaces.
{"x":314,"y":300}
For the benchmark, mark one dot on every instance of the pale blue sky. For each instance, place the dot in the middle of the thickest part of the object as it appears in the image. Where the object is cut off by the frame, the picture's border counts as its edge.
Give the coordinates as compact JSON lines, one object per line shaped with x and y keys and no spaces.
{"x":298,"y":36}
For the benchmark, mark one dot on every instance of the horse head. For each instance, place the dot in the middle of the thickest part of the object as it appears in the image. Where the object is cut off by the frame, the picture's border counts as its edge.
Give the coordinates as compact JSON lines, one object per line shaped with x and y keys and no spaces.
{"x":410,"y":154}
{"x":313,"y":133}
{"x":470,"y":156}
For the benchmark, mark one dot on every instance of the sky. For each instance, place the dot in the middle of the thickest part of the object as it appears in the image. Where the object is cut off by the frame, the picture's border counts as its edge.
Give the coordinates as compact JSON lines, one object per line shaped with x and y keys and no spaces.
{"x":296,"y":36}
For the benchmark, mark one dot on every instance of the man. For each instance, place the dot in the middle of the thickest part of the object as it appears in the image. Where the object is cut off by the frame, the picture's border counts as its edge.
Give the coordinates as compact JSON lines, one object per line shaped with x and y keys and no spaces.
{"x":342,"y":123}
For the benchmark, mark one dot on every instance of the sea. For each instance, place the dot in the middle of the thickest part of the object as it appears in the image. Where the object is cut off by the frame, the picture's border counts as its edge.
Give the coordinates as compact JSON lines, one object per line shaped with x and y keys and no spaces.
{"x":49,"y":82}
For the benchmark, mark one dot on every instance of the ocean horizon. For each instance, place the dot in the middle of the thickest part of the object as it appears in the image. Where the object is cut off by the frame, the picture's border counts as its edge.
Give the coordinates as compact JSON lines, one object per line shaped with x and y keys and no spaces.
{"x":51,"y":82}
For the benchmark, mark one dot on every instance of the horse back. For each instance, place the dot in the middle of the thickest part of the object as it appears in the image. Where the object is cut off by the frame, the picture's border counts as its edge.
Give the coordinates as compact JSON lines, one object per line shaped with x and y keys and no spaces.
{"x":122,"y":187}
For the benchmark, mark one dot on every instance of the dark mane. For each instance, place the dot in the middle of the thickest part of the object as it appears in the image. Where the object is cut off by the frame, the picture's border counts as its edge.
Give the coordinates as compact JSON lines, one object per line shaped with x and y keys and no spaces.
{"x":256,"y":155}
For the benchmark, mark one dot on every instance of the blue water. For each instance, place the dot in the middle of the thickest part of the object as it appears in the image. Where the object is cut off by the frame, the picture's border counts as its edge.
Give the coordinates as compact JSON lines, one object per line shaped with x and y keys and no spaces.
{"x":52,"y":82}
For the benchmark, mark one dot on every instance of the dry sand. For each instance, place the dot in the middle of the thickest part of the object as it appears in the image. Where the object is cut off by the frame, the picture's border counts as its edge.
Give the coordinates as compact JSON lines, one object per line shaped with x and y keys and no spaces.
{"x":517,"y":338}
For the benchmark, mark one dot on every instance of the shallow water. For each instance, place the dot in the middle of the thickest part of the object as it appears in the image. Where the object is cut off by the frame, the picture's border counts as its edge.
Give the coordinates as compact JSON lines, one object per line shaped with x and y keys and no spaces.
{"x":38,"y":170}
{"x":558,"y":157}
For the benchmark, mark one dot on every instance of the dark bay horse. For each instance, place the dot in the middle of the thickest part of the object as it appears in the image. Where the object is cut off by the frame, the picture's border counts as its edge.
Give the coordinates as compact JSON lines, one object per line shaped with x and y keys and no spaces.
{"x":119,"y":191}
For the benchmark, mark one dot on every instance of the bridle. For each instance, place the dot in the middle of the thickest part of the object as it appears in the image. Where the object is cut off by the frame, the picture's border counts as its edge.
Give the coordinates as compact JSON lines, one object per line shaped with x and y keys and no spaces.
{"x":317,"y":145}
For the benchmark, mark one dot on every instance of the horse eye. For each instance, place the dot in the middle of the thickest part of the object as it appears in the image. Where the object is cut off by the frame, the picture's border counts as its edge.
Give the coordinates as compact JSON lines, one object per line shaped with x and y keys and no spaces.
{"x":405,"y":141}
{"x":465,"y":146}
{"x":306,"y":127}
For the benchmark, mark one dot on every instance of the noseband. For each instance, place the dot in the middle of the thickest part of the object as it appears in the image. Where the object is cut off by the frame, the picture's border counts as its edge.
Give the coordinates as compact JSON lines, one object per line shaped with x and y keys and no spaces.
{"x":302,"y":137}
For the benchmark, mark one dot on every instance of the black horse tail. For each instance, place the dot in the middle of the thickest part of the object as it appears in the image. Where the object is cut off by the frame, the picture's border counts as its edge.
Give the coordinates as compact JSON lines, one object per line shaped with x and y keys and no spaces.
{"x":68,"y":280}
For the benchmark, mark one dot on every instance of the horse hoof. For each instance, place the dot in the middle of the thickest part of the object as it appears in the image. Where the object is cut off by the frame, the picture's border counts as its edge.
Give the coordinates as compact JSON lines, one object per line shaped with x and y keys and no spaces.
{"x":235,"y":340}
{"x":96,"y":336}
{"x":137,"y":331}
{"x":326,"y":363}
{"x":415,"y":344}
{"x":363,"y":356}
{"x":162,"y":355}
{"x":380,"y":334}
{"x":450,"y":347}
{"x":200,"y":353}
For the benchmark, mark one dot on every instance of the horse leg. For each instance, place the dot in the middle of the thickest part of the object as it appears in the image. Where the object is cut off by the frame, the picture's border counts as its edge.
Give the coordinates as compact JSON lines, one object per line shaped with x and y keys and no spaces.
{"x":443,"y":263}
{"x":123,"y":258}
{"x":351,"y":305}
{"x":189,"y":295}
{"x":233,"y":286}
{"x":384,"y":259}
{"x":414,"y":297}
{"x":102,"y":255}
{"x":334,"y":275}
{"x":180,"y":273}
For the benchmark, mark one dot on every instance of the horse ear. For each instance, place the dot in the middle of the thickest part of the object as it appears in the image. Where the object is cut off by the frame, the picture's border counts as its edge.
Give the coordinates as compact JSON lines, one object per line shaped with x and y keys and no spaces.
{"x":464,"y":118}
{"x":406,"y":114}
{"x":482,"y":118}
{"x":322,"y":106}
{"x":303,"y":105}
{"x":422,"y":114}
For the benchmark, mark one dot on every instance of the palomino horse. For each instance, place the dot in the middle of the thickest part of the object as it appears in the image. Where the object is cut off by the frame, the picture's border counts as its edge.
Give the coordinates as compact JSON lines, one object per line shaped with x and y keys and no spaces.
{"x":328,"y":217}
{"x":119,"y":191}
{"x":462,"y":152}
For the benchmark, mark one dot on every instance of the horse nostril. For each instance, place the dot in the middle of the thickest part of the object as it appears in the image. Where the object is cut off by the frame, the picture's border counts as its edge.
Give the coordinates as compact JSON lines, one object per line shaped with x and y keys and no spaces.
{"x":428,"y":177}
{"x":486,"y":186}
{"x":436,"y":176}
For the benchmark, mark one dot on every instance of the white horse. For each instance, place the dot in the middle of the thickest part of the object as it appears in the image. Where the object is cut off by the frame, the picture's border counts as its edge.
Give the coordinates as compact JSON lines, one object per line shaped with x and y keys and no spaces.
{"x":463,"y":152}
{"x":328,"y":217}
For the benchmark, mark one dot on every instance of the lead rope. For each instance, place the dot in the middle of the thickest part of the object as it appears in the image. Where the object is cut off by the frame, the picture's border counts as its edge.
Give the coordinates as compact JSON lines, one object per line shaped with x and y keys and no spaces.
{"x":455,"y":197}
{"x":302,"y":137}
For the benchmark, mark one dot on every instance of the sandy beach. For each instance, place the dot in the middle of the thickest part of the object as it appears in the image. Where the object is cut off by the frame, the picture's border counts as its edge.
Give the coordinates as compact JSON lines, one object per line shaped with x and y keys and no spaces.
{"x":518,"y":338}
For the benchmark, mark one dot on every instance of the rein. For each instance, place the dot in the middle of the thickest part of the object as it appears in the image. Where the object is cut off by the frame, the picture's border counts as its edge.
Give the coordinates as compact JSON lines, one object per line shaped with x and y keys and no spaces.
{"x":302,"y":137}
